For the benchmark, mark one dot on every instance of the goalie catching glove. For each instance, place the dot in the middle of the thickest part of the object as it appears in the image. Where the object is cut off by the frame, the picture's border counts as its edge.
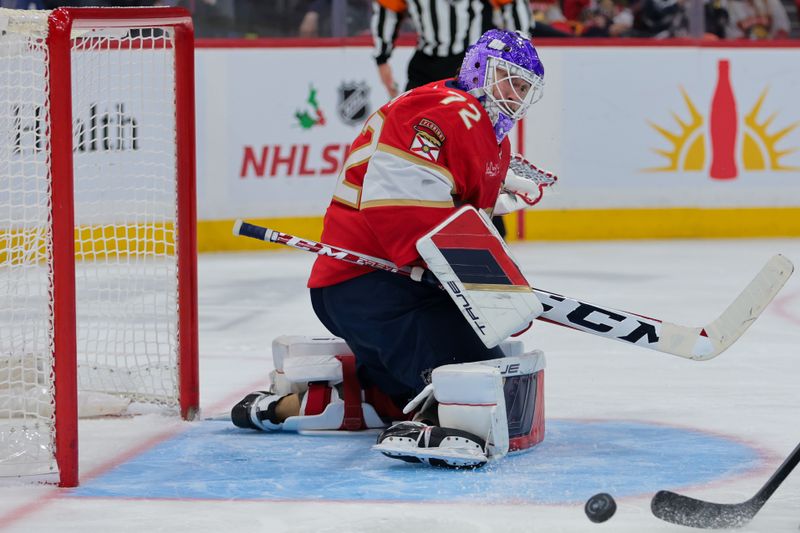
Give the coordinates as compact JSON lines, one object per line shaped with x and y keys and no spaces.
{"x":524,"y":186}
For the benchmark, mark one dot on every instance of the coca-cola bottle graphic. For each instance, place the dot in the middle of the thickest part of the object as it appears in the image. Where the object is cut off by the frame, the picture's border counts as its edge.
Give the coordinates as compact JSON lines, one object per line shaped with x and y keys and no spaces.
{"x":723,"y":123}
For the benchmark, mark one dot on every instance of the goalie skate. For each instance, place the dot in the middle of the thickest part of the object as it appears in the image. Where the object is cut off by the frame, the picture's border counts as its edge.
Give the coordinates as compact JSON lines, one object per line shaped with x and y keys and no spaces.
{"x":257,"y":411}
{"x":415,"y":442}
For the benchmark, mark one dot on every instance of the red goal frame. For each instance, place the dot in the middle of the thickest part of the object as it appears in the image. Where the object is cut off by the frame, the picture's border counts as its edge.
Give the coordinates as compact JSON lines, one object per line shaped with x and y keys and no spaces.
{"x":60,"y":24}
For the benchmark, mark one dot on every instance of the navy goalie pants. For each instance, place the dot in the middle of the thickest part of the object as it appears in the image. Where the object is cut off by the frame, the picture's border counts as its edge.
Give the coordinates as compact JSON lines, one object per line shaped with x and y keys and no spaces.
{"x":398,"y":329}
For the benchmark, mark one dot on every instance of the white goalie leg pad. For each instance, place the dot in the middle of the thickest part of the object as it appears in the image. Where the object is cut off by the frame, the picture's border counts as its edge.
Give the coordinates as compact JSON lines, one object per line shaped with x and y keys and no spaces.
{"x":308,"y":358}
{"x":322,"y":370}
{"x":523,"y":390}
{"x":475,"y":267}
{"x":485,"y":410}
{"x":471,"y":399}
{"x":472,"y":420}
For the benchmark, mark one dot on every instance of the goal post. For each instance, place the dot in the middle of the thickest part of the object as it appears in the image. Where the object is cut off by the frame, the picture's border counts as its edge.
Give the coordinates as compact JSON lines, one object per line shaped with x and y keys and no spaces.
{"x":97,"y":223}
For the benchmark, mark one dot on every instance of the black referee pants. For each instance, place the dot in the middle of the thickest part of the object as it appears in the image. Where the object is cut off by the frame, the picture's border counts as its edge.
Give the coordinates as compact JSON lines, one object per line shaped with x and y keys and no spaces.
{"x":424,"y":69}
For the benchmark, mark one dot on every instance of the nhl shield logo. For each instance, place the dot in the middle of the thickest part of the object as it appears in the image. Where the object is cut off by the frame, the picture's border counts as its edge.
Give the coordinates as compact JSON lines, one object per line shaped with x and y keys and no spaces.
{"x":353,"y":102}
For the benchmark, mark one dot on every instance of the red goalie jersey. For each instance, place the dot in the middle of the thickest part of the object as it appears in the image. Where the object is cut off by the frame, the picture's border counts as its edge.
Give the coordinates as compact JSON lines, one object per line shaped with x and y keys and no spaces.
{"x":417,"y":159}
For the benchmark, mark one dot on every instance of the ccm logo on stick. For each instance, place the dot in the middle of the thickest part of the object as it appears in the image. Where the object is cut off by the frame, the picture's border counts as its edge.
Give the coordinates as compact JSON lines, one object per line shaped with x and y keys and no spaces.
{"x":580,"y":317}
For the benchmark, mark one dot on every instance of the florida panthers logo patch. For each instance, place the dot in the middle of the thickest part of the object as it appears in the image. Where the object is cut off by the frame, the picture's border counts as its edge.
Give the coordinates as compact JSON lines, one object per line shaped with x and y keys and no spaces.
{"x":428,"y":141}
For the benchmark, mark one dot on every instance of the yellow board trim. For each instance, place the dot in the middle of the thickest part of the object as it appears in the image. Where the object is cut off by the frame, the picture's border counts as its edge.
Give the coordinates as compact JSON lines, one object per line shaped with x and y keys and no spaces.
{"x":676,"y":223}
{"x":217,"y":235}
{"x":562,"y":225}
{"x":538,"y":225}
{"x":109,"y":241}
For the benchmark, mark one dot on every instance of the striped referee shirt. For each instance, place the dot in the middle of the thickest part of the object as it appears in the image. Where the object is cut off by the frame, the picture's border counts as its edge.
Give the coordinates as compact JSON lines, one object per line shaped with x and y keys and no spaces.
{"x":445,"y":27}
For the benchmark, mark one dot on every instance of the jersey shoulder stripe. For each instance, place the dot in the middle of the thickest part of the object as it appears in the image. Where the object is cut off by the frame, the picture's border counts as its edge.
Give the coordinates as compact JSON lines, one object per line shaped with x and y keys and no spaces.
{"x":393,"y":180}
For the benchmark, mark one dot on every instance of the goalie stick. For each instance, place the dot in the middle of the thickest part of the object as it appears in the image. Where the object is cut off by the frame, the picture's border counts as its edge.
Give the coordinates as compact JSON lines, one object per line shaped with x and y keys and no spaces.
{"x":699,"y":344}
{"x":691,"y":512}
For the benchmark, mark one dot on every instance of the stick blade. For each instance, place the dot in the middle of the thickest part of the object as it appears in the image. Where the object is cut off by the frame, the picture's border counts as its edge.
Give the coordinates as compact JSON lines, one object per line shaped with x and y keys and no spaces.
{"x":708,"y":342}
{"x":686,"y":511}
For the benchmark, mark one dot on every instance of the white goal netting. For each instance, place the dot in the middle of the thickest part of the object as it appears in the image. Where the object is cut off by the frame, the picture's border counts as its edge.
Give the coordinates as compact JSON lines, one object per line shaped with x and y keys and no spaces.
{"x":125,"y":189}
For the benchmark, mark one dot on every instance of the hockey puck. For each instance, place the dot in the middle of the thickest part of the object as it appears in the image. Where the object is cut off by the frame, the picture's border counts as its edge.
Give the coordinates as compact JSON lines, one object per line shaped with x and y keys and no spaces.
{"x":600,"y":507}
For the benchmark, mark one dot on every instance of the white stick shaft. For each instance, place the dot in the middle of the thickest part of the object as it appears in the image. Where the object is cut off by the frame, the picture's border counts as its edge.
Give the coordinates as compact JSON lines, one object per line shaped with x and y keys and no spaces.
{"x":696,"y":343}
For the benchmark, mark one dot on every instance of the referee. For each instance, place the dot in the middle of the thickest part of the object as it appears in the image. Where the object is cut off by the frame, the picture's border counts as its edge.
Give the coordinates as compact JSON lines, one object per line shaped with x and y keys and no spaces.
{"x":445,"y":29}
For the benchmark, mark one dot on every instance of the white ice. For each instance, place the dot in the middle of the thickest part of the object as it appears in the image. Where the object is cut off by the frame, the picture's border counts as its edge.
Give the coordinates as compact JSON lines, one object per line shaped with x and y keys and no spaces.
{"x":749,"y":393}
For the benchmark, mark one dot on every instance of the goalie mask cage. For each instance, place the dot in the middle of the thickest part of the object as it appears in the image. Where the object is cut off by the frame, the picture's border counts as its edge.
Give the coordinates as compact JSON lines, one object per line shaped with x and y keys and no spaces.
{"x":97,"y":223}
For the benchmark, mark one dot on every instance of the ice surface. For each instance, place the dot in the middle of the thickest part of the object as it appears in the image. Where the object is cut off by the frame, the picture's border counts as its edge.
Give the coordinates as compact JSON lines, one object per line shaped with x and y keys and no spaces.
{"x":747,"y":397}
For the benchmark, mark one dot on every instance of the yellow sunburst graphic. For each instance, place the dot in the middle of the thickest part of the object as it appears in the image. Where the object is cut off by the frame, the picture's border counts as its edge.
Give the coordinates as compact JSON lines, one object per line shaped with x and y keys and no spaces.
{"x":688,"y":144}
{"x":759,"y":148}
{"x":758,"y":141}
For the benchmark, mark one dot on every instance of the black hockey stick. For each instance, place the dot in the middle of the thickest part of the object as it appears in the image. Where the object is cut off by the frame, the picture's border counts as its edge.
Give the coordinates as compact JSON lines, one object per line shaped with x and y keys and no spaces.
{"x":697,"y":343}
{"x":691,"y":512}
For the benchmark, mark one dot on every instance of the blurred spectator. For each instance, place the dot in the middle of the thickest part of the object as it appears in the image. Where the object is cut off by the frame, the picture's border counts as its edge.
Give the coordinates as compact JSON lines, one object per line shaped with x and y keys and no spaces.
{"x":549,"y":20}
{"x":607,"y":19}
{"x":309,"y":26}
{"x":317,"y":18}
{"x":724,"y":19}
{"x":757,"y":19}
{"x":22,"y":4}
{"x":212,"y":18}
{"x":53,"y":4}
{"x":717,"y":18}
{"x":659,"y":19}
{"x":269,"y":18}
{"x":548,"y":13}
{"x":574,"y":9}
{"x":797,"y":13}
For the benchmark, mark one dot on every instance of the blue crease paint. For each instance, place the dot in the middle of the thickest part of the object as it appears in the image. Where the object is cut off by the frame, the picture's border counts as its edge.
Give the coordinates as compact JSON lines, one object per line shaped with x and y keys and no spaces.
{"x":215,"y":460}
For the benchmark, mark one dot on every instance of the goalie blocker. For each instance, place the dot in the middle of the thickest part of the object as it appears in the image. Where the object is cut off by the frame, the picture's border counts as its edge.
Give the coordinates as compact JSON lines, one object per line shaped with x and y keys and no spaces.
{"x":496,"y":404}
{"x":475,"y":267}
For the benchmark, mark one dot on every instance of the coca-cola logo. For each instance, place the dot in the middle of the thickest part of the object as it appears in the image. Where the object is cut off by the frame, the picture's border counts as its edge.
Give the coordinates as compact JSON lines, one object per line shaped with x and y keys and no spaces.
{"x":726,"y":139}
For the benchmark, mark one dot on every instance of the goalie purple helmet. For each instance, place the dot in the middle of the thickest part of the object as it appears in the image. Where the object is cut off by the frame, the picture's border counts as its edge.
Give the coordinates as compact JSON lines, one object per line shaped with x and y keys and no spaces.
{"x":504,"y":72}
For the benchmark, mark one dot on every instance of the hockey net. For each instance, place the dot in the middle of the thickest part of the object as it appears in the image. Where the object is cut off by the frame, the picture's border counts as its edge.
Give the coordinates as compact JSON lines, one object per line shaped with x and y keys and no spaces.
{"x":106,"y":168}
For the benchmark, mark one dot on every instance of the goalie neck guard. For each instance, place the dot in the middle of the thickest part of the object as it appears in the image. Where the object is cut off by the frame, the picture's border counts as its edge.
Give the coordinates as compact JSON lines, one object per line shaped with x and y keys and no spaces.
{"x":504,"y":72}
